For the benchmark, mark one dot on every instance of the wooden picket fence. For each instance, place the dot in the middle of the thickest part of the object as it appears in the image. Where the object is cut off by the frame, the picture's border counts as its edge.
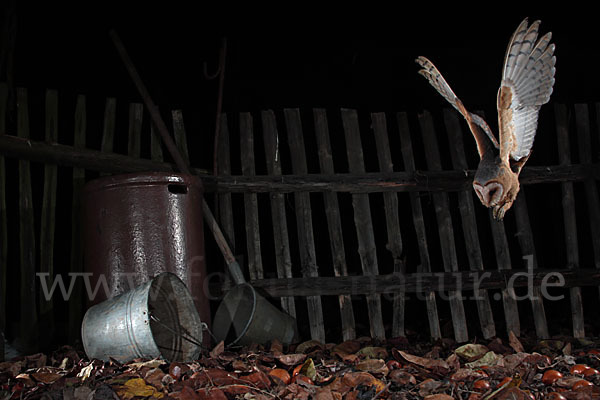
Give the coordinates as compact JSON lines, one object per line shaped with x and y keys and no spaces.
{"x":353,"y":221}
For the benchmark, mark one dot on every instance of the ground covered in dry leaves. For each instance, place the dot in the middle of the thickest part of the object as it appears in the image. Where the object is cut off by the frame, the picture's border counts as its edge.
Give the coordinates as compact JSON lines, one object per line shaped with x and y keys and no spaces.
{"x":356,"y":369}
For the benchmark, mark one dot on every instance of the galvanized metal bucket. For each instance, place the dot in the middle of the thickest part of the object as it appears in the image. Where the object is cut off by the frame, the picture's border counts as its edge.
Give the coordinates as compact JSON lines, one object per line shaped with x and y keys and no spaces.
{"x":244,"y":317}
{"x":156,"y":319}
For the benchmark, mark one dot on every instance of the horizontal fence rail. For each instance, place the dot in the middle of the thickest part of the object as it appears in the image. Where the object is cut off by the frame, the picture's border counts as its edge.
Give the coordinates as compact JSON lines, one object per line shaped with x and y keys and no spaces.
{"x":367,"y":182}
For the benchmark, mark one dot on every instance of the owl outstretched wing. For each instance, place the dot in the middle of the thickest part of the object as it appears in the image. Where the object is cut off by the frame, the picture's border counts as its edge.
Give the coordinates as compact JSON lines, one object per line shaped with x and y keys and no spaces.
{"x":527,"y":81}
{"x":479,"y":128}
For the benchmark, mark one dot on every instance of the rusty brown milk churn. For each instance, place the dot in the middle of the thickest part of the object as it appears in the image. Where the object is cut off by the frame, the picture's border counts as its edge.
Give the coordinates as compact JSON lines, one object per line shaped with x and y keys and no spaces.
{"x":137,"y":226}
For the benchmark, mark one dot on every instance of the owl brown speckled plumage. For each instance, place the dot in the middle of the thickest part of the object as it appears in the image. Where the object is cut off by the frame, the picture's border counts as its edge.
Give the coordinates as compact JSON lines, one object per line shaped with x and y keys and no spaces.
{"x":527,"y":81}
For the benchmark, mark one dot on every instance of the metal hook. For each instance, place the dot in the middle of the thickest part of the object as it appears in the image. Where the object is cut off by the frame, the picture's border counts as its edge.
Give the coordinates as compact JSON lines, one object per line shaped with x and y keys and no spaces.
{"x":221,"y":62}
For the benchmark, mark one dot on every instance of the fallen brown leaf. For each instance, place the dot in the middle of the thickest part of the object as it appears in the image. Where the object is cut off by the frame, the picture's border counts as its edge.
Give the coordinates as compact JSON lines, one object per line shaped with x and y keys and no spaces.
{"x":36,"y":360}
{"x":214,"y":376}
{"x":424,"y":362}
{"x":154,"y":377}
{"x":402,"y":378}
{"x":257,"y":379}
{"x":372,"y":352}
{"x":218,"y":349}
{"x":211,"y":394}
{"x":290,"y":360}
{"x":150,"y":364}
{"x":12,"y":367}
{"x":137,"y":387}
{"x":308,"y":346}
{"x":471,"y":352}
{"x":326,"y":394}
{"x":439,"y":397}
{"x":186,"y":393}
{"x":236,"y":390}
{"x":46,"y":377}
{"x":373,"y":366}
{"x":348,"y":347}
{"x":429,"y":386}
{"x":353,"y":379}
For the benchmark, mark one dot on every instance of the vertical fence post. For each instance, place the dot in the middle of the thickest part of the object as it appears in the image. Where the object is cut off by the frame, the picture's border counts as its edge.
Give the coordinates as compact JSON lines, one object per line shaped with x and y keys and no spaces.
{"x":582,"y":121}
{"x":156,"y":153}
{"x":180,"y":135}
{"x":47,"y":225}
{"x":525,"y":237}
{"x":76,"y":300}
{"x":390,"y":200}
{"x":224,"y":199}
{"x":419,"y":223}
{"x":250,"y":199}
{"x":108,"y":127}
{"x":134,"y":130}
{"x":568,"y":203}
{"x":306,"y":238}
{"x":334,"y":222}
{"x":446,"y":232}
{"x":26,"y":234}
{"x":3,"y":223}
{"x":362,"y":219}
{"x":278,"y":213}
{"x":467,"y":213}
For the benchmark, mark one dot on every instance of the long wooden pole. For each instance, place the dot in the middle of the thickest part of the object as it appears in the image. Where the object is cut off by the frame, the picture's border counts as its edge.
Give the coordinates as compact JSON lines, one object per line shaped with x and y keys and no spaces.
{"x":162,"y":129}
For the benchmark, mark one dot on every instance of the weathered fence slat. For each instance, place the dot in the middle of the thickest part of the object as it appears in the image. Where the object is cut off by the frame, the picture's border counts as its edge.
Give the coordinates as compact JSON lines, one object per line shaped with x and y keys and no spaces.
{"x":134,"y":130}
{"x":225,"y":206}
{"x":446,"y":232}
{"x":283,"y":258}
{"x":568,"y":202}
{"x":582,"y":120}
{"x":75,"y":303}
{"x":390,"y":201}
{"x":3,"y":223}
{"x":362,"y":219}
{"x":334,"y":222}
{"x":306,"y":240}
{"x":156,"y":153}
{"x":255,"y":265}
{"x":525,"y":237}
{"x":108,"y":129}
{"x":467,"y":213}
{"x":419,"y":223}
{"x":180,"y":135}
{"x":26,"y":232}
{"x":509,"y":302}
{"x":47,"y":225}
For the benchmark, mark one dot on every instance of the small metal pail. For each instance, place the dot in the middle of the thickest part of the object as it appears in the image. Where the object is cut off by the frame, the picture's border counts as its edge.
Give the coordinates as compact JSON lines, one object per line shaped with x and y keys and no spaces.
{"x":156,"y":319}
{"x":245,"y":317}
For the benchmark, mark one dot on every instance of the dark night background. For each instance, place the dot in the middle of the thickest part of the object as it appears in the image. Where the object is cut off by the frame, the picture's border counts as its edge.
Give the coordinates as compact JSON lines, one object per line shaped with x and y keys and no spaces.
{"x":278,"y":59}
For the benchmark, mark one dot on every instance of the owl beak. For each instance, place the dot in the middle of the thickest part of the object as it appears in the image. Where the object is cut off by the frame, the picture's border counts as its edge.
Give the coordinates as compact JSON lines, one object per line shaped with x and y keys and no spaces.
{"x":489,"y":194}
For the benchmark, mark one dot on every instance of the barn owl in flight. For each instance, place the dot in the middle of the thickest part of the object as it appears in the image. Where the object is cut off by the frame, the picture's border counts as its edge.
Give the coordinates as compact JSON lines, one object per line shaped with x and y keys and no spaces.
{"x":527,"y":81}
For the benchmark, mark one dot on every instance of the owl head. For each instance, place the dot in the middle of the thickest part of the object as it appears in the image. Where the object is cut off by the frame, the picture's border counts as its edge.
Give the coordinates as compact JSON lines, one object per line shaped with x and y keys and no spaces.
{"x":496,"y":185}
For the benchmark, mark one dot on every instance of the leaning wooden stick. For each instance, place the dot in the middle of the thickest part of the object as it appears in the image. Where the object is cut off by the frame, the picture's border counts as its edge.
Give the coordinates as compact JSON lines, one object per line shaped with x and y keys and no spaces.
{"x":232,"y":264}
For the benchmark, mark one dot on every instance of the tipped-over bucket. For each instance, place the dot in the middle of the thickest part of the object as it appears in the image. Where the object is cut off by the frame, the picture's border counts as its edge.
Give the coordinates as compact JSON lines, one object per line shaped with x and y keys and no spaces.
{"x":245,"y":317}
{"x":157,"y":319}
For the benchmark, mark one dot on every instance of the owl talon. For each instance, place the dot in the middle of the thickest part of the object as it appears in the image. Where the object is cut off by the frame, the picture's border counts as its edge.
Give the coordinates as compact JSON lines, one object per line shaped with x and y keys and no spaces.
{"x":499,"y":212}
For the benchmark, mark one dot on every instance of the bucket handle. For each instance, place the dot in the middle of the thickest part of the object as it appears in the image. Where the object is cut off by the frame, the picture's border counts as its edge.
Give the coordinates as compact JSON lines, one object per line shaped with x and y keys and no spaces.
{"x":185,"y":335}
